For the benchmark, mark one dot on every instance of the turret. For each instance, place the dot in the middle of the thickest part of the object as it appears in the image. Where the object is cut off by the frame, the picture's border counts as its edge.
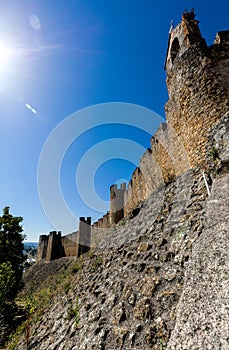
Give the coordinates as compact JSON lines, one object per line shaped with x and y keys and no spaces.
{"x":84,"y":236}
{"x":117,"y":202}
{"x":55,"y":248}
{"x":198,"y":94}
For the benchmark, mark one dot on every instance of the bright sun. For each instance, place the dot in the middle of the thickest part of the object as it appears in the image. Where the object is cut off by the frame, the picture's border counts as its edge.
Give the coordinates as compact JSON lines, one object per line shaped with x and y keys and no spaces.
{"x":6,"y":54}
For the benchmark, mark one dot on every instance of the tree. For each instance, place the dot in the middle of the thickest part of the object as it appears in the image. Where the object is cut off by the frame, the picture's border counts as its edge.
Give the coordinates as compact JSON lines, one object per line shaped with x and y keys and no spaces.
{"x":11,"y":268}
{"x":11,"y":248}
{"x":7,"y":281}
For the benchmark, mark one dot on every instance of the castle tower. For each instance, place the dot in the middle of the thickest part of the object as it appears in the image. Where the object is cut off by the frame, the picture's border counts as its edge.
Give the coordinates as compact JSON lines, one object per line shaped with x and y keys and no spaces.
{"x":55,"y":249}
{"x":197,"y":85}
{"x":42,"y":247}
{"x":117,"y":203}
{"x":84,"y":237}
{"x":185,"y":35}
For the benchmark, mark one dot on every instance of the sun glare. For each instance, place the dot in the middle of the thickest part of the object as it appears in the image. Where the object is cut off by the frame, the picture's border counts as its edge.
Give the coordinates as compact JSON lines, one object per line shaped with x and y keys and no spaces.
{"x":6,"y":54}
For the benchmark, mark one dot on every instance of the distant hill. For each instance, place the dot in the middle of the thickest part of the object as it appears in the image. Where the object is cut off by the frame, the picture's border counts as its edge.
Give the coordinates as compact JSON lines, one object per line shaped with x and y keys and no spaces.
{"x":28,"y":245}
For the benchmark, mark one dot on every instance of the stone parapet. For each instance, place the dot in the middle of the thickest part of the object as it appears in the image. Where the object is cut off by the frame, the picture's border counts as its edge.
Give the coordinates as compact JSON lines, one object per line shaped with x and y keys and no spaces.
{"x":197,"y":78}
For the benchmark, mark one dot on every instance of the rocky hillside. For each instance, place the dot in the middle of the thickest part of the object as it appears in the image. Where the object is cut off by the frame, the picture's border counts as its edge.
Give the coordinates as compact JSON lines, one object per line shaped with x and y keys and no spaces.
{"x":127,"y":292}
{"x":159,"y":278}
{"x":158,"y":281}
{"x":202,"y":317}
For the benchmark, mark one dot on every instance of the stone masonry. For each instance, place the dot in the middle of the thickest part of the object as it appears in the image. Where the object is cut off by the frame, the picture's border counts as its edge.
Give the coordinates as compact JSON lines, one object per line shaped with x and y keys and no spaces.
{"x":197,"y":82}
{"x":158,"y":278}
{"x":53,"y":246}
{"x":198,"y":86}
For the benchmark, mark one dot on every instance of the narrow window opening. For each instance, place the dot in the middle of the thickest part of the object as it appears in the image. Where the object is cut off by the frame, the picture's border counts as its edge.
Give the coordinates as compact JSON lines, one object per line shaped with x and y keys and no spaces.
{"x":175,"y":47}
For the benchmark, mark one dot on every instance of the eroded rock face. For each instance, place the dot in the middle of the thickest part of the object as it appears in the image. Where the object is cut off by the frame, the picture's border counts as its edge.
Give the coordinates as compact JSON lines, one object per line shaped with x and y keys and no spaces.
{"x":202,"y":320}
{"x":127,"y":292}
{"x":218,"y":146}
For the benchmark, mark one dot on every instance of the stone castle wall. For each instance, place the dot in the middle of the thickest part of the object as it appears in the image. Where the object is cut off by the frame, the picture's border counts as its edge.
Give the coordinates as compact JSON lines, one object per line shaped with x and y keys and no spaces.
{"x":84,"y":237}
{"x":42,"y":247}
{"x":150,"y":278}
{"x":69,"y":244}
{"x":53,"y":246}
{"x":198,"y":87}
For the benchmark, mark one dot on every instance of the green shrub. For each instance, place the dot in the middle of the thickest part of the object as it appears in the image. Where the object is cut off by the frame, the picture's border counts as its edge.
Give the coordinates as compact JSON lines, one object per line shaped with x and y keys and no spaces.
{"x":73,"y":312}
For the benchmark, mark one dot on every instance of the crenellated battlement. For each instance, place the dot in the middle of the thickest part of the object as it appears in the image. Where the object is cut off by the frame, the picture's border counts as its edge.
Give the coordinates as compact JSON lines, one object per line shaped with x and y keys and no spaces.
{"x":197,"y":78}
{"x":84,"y":237}
{"x":117,"y":203}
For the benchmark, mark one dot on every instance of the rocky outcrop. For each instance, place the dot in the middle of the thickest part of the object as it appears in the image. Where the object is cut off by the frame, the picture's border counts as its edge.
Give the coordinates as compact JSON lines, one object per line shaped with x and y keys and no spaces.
{"x":127,"y":291}
{"x":218,"y":147}
{"x":202,"y":319}
{"x":159,"y":279}
{"x":156,"y":281}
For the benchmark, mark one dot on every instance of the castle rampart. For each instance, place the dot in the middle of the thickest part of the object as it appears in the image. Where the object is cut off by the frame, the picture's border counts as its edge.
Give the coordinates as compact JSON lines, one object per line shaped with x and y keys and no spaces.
{"x":197,"y":78}
{"x":42,"y":247}
{"x":69,"y":244}
{"x":55,"y":248}
{"x":84,"y":237}
{"x":117,"y":203}
{"x":197,"y":86}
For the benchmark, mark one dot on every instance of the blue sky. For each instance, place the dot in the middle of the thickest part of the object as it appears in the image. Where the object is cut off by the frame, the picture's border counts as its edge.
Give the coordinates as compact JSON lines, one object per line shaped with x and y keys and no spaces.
{"x":57,"y":57}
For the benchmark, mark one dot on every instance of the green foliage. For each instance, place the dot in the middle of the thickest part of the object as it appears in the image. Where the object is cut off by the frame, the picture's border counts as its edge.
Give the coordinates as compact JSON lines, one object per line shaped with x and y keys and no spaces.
{"x":122,"y":222}
{"x":11,"y":247}
{"x":67,"y":286}
{"x":35,"y":302}
{"x":213,"y":153}
{"x":161,"y":345}
{"x":38,"y":301}
{"x":2,"y":329}
{"x":73,"y":312}
{"x":77,"y":266}
{"x":180,"y":234}
{"x":14,"y":337}
{"x":7,"y":282}
{"x":11,"y":268}
{"x":97,"y":263}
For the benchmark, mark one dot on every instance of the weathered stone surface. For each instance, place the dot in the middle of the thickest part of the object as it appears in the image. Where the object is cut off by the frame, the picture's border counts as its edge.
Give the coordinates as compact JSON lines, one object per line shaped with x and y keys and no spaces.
{"x":202,"y":319}
{"x":128,"y":290}
{"x":198,"y":90}
{"x":159,"y":278}
{"x":217,"y":148}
